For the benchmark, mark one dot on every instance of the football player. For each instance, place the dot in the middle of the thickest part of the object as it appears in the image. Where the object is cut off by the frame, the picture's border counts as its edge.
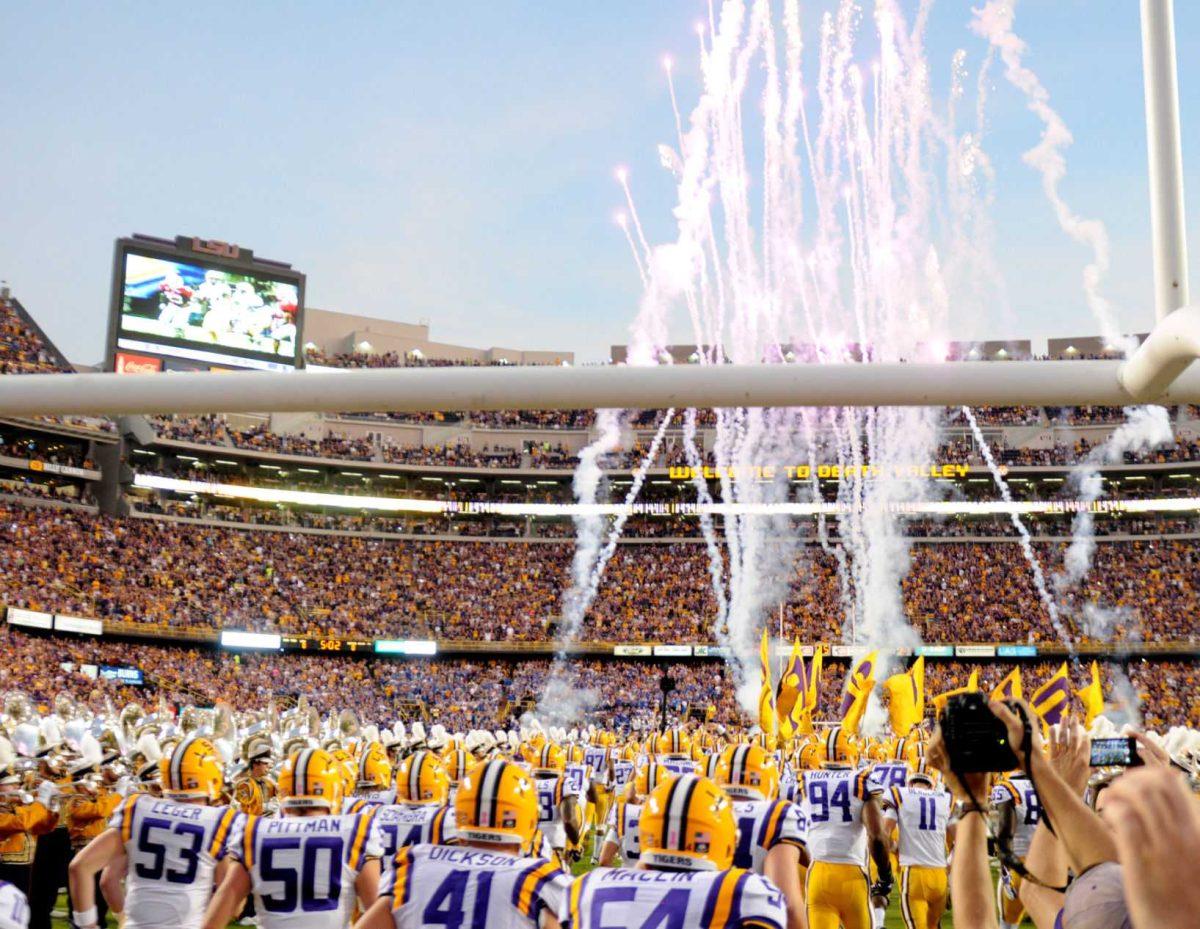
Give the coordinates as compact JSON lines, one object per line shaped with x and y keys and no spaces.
{"x":306,"y":867}
{"x":488,"y":879}
{"x":1016,"y":803}
{"x":14,"y":907}
{"x":372,"y":789}
{"x":921,"y":813}
{"x":171,"y":848}
{"x":422,"y":814}
{"x":688,"y":833}
{"x":560,"y":816}
{"x":845,"y":821}
{"x":457,"y":763}
{"x":770,"y":830}
{"x":622,"y":834}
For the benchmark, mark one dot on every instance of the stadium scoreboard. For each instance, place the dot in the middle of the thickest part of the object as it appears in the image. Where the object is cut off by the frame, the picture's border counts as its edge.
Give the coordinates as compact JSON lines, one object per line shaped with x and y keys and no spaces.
{"x":307,"y":643}
{"x":200,"y":304}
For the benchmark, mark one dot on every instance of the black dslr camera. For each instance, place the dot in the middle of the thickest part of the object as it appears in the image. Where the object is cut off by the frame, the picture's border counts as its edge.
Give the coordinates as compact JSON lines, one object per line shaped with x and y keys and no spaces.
{"x":975,"y":739}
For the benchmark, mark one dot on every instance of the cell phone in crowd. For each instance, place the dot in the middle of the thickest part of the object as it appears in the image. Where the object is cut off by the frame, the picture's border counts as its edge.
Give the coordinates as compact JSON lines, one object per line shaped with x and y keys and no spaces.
{"x":1115,"y":753}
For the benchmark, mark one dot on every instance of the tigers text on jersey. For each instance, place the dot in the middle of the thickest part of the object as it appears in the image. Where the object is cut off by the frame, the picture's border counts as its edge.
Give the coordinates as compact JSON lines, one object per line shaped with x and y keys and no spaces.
{"x":623,"y":829}
{"x":14,"y":908}
{"x":833,"y":804}
{"x":1018,"y":790}
{"x":922,"y":816}
{"x":696,"y":899}
{"x":172,"y":851}
{"x":303,"y":868}
{"x":763,"y":824}
{"x":448,"y":885}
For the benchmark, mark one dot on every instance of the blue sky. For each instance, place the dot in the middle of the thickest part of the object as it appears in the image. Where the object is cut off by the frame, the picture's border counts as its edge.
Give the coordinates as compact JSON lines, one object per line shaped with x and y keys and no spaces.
{"x":454,"y":161}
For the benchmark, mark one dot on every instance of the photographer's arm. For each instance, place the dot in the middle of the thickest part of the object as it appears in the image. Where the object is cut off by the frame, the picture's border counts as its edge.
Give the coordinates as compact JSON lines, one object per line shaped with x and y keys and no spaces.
{"x":970,"y":872}
{"x":971,"y":875}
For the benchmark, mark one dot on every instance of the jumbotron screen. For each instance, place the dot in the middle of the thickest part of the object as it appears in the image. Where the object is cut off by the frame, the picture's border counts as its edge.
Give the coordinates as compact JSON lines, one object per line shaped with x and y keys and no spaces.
{"x":207,"y":312}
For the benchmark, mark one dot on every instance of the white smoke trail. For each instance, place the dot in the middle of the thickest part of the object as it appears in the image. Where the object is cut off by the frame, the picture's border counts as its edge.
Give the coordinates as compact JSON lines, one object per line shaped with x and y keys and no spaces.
{"x":1100,"y":623}
{"x":1145,"y":429}
{"x":1039,"y":579}
{"x":994,"y":22}
{"x":589,"y":530}
{"x":716,"y":567}
{"x":614,"y":532}
{"x":590,"y":560}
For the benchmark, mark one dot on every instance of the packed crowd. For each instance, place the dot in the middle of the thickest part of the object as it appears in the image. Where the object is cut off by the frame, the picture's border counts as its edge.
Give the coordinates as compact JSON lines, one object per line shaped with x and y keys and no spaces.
{"x":455,"y":455}
{"x":954,"y":448}
{"x":462,"y":693}
{"x":22,"y":349}
{"x":54,"y":452}
{"x":160,"y":573}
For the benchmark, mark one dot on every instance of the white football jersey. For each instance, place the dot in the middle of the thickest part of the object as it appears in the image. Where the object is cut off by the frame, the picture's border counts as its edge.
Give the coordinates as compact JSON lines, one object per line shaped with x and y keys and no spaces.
{"x":623,"y":772}
{"x":763,"y":824}
{"x":834,"y":801}
{"x":303,"y":868}
{"x":400,"y":825}
{"x":1018,"y":790}
{"x":365,"y":799}
{"x":596,"y":758}
{"x":889,"y":774}
{"x":577,"y":778}
{"x":550,"y":794}
{"x":14,"y":908}
{"x":695,"y":899}
{"x":678,"y":765}
{"x":921,"y":816}
{"x":623,"y":829}
{"x":172,"y":851}
{"x":448,"y":885}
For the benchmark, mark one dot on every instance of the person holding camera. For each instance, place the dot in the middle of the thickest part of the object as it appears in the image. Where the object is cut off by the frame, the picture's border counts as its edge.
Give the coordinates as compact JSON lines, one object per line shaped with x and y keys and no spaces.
{"x":976,"y":737}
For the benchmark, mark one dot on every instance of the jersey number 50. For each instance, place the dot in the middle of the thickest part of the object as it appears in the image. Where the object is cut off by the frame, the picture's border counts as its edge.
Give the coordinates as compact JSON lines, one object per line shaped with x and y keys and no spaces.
{"x":322,"y":855}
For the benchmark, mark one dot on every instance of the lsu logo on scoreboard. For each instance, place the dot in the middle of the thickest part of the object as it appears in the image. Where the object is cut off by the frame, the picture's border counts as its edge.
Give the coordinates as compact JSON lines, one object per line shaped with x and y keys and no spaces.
{"x":216,"y":248}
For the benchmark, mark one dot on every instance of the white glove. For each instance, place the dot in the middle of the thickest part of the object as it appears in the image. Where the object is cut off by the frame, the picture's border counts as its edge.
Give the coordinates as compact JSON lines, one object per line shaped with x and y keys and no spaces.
{"x":47,"y":792}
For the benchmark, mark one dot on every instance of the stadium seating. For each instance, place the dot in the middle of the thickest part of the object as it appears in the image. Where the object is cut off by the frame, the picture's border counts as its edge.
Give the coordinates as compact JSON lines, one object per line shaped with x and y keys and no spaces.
{"x":464,"y":694}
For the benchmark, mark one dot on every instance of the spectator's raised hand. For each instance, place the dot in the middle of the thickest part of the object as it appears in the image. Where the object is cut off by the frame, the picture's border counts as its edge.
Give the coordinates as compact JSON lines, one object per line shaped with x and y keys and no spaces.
{"x":1157,"y":824}
{"x":1070,"y":754}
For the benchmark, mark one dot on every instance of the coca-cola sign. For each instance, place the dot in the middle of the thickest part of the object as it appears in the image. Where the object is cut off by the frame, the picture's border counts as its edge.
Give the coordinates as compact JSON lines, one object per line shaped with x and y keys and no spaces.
{"x":137,"y":364}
